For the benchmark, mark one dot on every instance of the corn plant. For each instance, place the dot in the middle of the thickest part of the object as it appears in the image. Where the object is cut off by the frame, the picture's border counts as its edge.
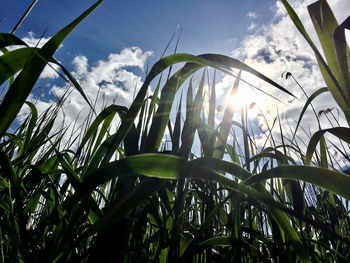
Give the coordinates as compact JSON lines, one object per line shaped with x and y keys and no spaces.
{"x":129,"y":195}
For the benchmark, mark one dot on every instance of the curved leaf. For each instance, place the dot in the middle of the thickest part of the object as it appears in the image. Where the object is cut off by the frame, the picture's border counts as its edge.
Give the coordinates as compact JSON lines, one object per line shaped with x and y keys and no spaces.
{"x":168,"y":167}
{"x":307,"y":103}
{"x":342,"y":133}
{"x":331,"y":81}
{"x":7,"y":39}
{"x":217,"y":241}
{"x":13,"y":61}
{"x":194,"y":63}
{"x":25,"y":81}
{"x":110,"y":110}
{"x":333,"y":181}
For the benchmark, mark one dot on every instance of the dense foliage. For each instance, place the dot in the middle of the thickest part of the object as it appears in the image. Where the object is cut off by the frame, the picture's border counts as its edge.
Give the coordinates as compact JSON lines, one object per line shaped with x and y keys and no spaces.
{"x":130,"y":196}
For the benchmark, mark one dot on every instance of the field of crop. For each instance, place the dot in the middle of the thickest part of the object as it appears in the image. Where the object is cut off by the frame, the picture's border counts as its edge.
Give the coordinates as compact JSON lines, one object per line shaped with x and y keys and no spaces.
{"x":131,"y":196}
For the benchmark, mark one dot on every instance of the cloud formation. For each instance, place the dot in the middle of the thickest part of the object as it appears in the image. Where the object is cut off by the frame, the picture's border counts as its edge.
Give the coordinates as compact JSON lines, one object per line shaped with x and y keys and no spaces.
{"x":252,"y":15}
{"x":108,"y":81}
{"x":32,"y":40}
{"x":251,"y":26}
{"x":274,"y":49}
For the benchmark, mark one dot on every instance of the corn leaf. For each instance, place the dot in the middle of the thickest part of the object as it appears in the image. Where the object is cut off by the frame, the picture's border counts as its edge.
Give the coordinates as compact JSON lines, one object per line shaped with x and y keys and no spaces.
{"x":333,"y":181}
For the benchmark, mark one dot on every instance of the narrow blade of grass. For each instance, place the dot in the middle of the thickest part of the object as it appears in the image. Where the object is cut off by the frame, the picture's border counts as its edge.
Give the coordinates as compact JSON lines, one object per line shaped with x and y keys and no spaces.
{"x":25,"y":81}
{"x":342,"y":133}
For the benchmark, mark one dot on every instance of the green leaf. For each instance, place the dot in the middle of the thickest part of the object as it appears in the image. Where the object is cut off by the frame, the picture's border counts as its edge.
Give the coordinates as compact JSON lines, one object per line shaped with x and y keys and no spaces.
{"x":103,"y":115}
{"x":308,"y":102}
{"x":193,"y":121}
{"x":25,"y":81}
{"x":342,"y":133}
{"x":343,"y":54}
{"x":331,"y":81}
{"x":278,"y":156}
{"x":73,"y":81}
{"x":9,"y":40}
{"x":333,"y":181}
{"x":224,"y":167}
{"x":3,"y":183}
{"x":5,"y":206}
{"x":177,"y":128}
{"x":9,"y":171}
{"x":13,"y":61}
{"x":325,"y":25}
{"x":31,"y":125}
{"x":186,"y":139}
{"x":217,"y":241}
{"x":107,"y":148}
{"x":225,"y":125}
{"x":185,"y":242}
{"x":169,"y":167}
{"x":161,"y":117}
{"x":212,"y":104}
{"x":24,"y":16}
{"x":194,"y":63}
{"x":151,"y":111}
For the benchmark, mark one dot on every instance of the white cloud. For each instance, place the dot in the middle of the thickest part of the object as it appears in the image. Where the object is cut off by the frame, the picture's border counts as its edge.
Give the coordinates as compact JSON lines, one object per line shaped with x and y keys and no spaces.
{"x":50,"y":71}
{"x":33,"y":40}
{"x":105,"y":70}
{"x":252,"y":15}
{"x":81,"y":65}
{"x":109,"y":81}
{"x":276,"y":48}
{"x":251,"y":26}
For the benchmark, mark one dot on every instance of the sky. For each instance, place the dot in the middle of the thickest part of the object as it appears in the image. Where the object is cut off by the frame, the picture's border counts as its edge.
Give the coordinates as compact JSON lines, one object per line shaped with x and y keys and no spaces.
{"x":208,"y":26}
{"x":109,"y":52}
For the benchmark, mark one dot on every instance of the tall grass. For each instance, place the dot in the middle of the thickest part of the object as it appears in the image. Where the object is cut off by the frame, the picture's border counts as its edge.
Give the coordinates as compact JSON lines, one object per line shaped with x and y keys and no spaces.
{"x":129,"y":196}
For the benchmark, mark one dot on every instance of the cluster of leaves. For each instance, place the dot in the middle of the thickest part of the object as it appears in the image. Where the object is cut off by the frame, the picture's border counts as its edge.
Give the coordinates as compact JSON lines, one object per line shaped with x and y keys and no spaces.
{"x":128,"y":196}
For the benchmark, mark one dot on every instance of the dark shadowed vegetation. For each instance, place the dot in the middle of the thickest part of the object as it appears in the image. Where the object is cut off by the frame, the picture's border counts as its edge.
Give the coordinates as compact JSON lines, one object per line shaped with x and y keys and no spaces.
{"x":136,"y":195}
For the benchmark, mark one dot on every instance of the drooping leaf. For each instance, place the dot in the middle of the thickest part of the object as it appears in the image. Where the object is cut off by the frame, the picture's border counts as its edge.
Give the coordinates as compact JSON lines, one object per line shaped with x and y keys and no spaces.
{"x":333,"y":181}
{"x":307,"y":103}
{"x":25,"y":81}
{"x":13,"y":61}
{"x":342,"y":133}
{"x":10,"y":40}
{"x":317,"y":16}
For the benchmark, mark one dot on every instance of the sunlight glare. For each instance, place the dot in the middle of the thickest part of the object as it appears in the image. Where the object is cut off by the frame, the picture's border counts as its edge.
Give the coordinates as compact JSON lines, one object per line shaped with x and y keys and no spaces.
{"x":244,"y":97}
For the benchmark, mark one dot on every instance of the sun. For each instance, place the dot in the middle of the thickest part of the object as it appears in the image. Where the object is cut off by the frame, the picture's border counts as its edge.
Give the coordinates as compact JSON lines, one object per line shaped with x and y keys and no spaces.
{"x":242,"y":98}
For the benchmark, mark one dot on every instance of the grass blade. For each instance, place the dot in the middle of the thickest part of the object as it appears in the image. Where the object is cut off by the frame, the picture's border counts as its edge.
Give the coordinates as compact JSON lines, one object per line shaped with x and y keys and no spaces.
{"x":342,"y":133}
{"x":25,"y":81}
{"x":13,"y":61}
{"x":308,"y":102}
{"x":9,"y":40}
{"x":333,"y":181}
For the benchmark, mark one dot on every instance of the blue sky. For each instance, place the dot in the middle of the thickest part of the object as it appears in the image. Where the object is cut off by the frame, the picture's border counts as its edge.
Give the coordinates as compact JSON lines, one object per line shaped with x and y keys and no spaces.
{"x":109,"y":51}
{"x":208,"y":26}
